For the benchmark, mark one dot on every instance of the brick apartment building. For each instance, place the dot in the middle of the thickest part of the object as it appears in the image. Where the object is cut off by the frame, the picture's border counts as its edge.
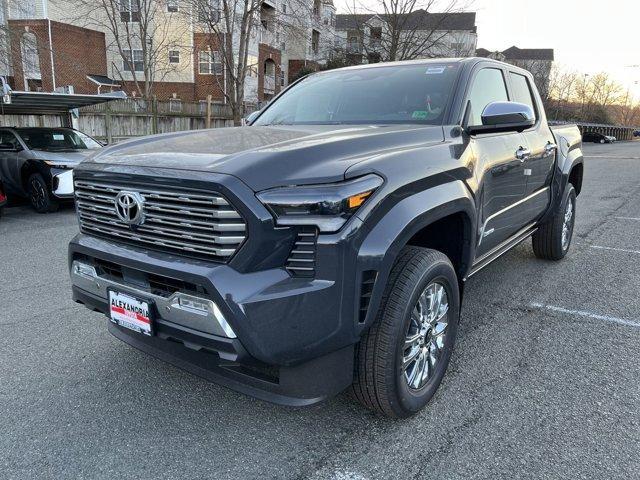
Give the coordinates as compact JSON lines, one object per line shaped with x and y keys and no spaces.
{"x":49,"y":50}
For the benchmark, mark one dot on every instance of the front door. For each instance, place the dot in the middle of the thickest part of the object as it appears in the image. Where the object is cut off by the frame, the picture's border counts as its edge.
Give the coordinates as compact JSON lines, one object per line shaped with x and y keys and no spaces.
{"x":500,"y":171}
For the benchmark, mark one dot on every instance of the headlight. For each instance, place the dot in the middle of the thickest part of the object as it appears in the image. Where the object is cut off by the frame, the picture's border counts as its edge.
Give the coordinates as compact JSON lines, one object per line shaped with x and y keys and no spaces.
{"x":61,"y":166}
{"x":327,"y":206}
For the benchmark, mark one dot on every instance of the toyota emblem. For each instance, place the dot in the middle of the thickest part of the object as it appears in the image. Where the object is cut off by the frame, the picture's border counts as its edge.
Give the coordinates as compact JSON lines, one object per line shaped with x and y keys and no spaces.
{"x":130,"y":208}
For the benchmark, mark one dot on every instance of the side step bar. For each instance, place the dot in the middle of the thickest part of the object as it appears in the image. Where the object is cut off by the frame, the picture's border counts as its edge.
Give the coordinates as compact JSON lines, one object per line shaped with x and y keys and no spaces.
{"x":501,"y":249}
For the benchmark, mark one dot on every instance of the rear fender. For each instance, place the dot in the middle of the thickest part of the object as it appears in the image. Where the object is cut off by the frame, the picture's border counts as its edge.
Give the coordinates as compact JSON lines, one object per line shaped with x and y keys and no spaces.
{"x":569,"y":155}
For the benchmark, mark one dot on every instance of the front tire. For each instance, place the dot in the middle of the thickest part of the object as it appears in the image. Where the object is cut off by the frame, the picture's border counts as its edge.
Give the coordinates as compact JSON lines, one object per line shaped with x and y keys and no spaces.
{"x":39,"y":195}
{"x":553,"y":239}
{"x":402,"y":359}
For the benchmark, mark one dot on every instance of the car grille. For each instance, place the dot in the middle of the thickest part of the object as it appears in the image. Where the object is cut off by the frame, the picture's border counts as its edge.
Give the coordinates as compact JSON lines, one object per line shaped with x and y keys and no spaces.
{"x":176,"y":220}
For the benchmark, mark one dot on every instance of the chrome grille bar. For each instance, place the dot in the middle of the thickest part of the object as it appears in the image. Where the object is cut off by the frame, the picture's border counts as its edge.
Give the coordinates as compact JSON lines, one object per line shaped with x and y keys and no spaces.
{"x":180,"y":221}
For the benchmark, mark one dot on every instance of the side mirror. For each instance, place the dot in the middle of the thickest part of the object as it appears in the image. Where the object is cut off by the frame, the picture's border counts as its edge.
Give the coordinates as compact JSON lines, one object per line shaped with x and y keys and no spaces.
{"x":505,"y":117}
{"x":249,"y":119}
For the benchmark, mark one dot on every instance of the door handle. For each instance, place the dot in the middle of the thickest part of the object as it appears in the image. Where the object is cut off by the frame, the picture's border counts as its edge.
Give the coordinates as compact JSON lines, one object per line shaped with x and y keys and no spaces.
{"x":550,"y":148}
{"x":523,"y":153}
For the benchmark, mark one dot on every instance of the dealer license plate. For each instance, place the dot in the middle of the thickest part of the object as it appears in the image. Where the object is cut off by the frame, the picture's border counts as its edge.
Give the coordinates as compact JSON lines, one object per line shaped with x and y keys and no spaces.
{"x":131,"y":313}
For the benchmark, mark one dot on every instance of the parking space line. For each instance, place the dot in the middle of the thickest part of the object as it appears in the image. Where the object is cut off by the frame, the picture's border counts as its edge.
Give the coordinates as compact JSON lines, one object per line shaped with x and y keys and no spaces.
{"x":581,"y":313}
{"x":600,"y":247}
{"x":628,"y":218}
{"x":610,"y":157}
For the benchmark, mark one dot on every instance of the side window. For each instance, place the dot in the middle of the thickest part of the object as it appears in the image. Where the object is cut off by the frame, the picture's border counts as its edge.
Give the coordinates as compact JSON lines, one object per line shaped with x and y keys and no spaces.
{"x":488,"y":87}
{"x":9,"y":138}
{"x":522,"y":90}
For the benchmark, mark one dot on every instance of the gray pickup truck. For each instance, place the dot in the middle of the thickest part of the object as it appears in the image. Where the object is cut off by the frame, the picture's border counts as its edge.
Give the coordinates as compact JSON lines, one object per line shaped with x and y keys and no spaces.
{"x":326,"y":245}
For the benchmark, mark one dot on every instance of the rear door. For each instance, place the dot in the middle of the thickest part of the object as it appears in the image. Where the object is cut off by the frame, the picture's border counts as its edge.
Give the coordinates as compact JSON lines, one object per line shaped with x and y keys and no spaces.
{"x":500,"y":174}
{"x":539,"y":165}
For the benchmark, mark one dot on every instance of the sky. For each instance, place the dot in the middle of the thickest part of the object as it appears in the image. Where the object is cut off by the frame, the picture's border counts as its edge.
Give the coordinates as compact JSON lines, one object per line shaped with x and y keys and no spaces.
{"x":588,"y":36}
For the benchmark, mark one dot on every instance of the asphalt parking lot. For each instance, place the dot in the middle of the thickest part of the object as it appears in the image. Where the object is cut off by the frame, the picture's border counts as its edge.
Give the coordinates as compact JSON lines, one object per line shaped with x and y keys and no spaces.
{"x":544,"y":382}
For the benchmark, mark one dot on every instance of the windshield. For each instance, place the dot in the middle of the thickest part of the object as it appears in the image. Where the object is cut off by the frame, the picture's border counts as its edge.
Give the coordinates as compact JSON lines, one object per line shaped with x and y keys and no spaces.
{"x":52,"y":139}
{"x":379,"y":95}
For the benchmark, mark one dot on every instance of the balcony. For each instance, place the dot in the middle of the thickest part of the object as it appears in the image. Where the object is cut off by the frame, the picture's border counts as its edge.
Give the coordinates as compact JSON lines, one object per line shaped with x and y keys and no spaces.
{"x":268,"y":37}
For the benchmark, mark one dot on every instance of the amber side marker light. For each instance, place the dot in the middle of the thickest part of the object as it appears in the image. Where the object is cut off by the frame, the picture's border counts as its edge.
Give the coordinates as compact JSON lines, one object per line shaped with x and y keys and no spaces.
{"x":356,"y":200}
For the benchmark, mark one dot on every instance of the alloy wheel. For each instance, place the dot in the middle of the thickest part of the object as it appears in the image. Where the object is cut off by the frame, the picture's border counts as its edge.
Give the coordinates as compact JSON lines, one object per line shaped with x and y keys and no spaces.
{"x":424,"y":341}
{"x":567,"y":225}
{"x":38,"y":194}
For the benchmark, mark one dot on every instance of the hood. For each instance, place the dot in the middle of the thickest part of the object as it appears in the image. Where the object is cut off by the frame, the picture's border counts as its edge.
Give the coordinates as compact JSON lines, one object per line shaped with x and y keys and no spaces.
{"x":269,"y":156}
{"x":69,"y":158}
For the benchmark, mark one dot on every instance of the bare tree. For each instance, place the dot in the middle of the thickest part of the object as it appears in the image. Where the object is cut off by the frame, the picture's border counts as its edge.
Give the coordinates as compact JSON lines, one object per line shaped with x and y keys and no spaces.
{"x":407,"y":29}
{"x":229,"y":26}
{"x":628,"y":112}
{"x":141,"y":32}
{"x":562,"y":86}
{"x":233,"y":27}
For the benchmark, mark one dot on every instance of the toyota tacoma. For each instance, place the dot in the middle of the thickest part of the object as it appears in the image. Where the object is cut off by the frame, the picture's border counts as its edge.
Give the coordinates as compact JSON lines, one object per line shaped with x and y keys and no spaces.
{"x":325,"y":246}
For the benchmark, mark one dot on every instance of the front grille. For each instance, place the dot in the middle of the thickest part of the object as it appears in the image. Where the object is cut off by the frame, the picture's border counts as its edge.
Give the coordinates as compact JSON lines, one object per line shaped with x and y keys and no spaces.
{"x":176,"y":220}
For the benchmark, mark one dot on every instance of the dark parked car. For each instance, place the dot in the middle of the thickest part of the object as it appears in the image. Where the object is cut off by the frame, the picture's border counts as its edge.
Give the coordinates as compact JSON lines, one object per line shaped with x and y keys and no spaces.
{"x":326,"y":246}
{"x":596,"y":137}
{"x":37,"y":163}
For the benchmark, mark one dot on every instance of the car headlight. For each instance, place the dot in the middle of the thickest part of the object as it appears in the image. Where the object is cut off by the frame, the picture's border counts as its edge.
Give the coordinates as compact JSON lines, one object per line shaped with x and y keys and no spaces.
{"x":61,"y":166}
{"x":326,"y":206}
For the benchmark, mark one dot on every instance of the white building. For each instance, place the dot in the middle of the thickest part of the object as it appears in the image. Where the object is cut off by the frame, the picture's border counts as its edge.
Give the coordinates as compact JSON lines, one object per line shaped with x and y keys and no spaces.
{"x":367,"y":37}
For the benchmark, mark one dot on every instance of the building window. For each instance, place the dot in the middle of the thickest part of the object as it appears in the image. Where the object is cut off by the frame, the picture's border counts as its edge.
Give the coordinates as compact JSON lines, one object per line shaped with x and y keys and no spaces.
{"x":284,"y":8}
{"x":457,"y":47}
{"x":252,"y":66}
{"x":175,"y":105}
{"x":315,"y":41}
{"x":209,"y":63}
{"x":129,"y":11}
{"x":282,"y":82}
{"x":172,"y":6}
{"x":174,"y":56}
{"x":132,"y":61}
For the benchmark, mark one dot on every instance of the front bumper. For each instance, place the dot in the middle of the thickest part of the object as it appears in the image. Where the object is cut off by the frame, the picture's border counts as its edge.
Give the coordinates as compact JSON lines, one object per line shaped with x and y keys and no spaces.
{"x":272,"y":336}
{"x":62,"y":183}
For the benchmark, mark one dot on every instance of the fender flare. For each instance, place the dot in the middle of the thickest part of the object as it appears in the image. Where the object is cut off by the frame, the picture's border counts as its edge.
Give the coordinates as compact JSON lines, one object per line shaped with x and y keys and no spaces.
{"x":561,"y":177}
{"x":386,"y":239}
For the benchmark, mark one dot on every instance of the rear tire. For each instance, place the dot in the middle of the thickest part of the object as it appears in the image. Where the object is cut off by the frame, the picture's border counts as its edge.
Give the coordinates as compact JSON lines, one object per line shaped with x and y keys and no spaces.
{"x":388,"y":377}
{"x":39,"y":195}
{"x":553,"y":239}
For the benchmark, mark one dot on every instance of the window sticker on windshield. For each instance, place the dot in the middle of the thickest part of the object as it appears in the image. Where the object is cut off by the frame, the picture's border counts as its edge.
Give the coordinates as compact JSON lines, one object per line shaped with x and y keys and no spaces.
{"x":435,"y":70}
{"x":420,"y":115}
{"x":58,"y":136}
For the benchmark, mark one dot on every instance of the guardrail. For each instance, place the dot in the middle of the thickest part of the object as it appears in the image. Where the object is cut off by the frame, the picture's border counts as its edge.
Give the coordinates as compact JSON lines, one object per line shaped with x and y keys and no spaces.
{"x":619,"y":131}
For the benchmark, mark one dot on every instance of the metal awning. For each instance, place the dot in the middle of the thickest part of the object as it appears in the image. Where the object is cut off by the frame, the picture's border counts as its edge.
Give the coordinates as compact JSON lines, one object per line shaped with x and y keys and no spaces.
{"x":103,"y":81}
{"x":41,"y":103}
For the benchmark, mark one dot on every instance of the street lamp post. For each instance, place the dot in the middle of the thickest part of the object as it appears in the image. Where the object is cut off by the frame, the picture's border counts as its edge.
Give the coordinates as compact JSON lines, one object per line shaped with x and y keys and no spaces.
{"x":584,"y":94}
